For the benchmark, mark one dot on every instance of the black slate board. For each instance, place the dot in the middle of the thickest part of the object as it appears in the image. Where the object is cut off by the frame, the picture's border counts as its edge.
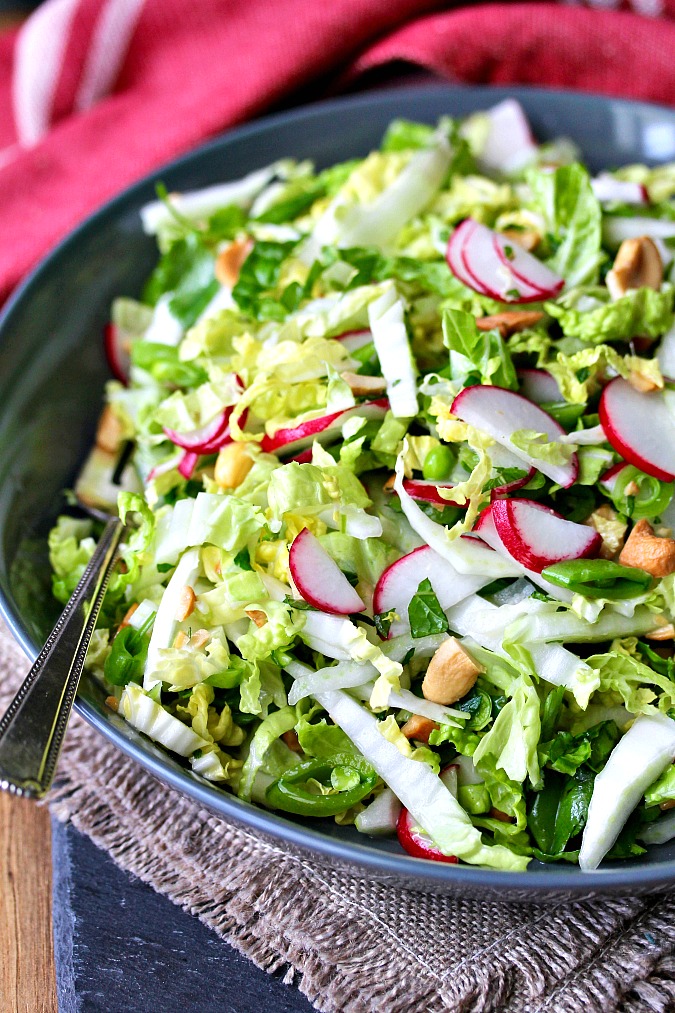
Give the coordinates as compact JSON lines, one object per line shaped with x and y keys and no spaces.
{"x":119,"y":946}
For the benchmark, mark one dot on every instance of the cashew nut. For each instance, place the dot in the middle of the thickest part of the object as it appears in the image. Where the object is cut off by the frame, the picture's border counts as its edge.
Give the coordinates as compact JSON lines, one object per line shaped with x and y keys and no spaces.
{"x":232,"y":465}
{"x":527,"y":238}
{"x":230,"y":260}
{"x":637,"y":265}
{"x":292,"y":741}
{"x":109,"y":431}
{"x":186,"y":603}
{"x":257,"y":615}
{"x":606,"y":522}
{"x":363,"y":386}
{"x":418,"y":727}
{"x":451,"y":673}
{"x":647,"y":551}
{"x":510,"y":321}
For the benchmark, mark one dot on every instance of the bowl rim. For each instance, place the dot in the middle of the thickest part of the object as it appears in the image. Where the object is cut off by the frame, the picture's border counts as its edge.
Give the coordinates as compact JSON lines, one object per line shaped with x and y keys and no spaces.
{"x":419,"y":873}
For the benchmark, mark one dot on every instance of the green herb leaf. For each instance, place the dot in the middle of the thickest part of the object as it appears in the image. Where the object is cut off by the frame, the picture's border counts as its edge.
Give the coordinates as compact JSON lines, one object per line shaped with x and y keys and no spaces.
{"x":425,"y":613}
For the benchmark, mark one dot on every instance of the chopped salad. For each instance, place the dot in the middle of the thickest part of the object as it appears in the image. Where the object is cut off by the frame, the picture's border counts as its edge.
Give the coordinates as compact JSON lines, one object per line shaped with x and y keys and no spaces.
{"x":395,"y":443}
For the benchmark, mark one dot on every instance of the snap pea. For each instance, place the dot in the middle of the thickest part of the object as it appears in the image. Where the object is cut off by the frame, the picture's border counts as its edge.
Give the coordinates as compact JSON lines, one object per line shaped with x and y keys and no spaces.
{"x":126,"y":660}
{"x":598,"y":578}
{"x":650,"y":500}
{"x":290,"y":792}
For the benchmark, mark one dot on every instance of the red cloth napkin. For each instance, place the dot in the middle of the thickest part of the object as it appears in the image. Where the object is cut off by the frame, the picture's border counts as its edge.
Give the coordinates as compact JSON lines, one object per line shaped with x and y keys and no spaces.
{"x":96,"y":93}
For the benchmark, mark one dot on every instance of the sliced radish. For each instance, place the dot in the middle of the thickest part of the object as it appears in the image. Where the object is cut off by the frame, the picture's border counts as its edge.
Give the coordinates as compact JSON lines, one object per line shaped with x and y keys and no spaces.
{"x":509,"y":144}
{"x":608,"y":479}
{"x":319,"y":579}
{"x":399,"y":582}
{"x":427,"y":492}
{"x":640,"y":427}
{"x":537,"y":536}
{"x":489,"y":274}
{"x":353,"y":340}
{"x":486,"y":262}
{"x":501,"y":412}
{"x":417,"y":841}
{"x":453,"y":253}
{"x":199,"y":440}
{"x":487,"y":529}
{"x":188,"y":463}
{"x":606,"y":188}
{"x":304,"y":457}
{"x":322,"y":429}
{"x":161,"y":469}
{"x":116,"y":345}
{"x":539,"y":385}
{"x":528,"y":269}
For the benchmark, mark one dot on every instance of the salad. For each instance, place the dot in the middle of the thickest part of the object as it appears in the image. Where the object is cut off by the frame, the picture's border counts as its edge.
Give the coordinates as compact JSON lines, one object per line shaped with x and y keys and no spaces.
{"x":395,"y":444}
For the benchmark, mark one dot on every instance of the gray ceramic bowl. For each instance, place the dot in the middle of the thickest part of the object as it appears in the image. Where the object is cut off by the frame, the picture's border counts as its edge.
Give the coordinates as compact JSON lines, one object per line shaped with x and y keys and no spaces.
{"x":52,"y":373}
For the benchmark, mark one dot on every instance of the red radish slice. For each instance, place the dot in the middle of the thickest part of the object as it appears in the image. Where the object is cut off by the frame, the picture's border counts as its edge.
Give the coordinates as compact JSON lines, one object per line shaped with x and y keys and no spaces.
{"x":537,"y":536}
{"x":188,"y":463}
{"x":478,"y":257}
{"x":319,"y":579}
{"x":322,"y":429}
{"x":399,"y":582}
{"x":528,"y":269}
{"x":417,"y":842}
{"x":640,"y":427}
{"x":606,"y":188}
{"x":206,"y":436}
{"x":539,"y":385}
{"x":353,"y":340}
{"x":164,"y":467}
{"x":487,"y":529}
{"x":303,"y":458}
{"x":509,"y":144}
{"x":115,"y":343}
{"x":453,"y":253}
{"x":449,"y":776}
{"x":490,"y":274}
{"x":608,"y":479}
{"x":421,"y":489}
{"x":501,"y":412}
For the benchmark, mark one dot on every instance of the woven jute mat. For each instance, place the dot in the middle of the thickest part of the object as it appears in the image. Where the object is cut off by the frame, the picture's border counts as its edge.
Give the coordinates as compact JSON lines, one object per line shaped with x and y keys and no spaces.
{"x":351,"y":944}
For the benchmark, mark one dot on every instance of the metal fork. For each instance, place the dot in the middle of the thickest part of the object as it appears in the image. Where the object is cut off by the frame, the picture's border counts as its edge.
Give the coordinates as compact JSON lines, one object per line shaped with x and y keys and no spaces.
{"x":34,"y":725}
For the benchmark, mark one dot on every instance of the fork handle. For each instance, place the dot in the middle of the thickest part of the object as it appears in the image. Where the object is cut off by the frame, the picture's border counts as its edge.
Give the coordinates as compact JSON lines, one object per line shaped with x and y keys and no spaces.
{"x":34,"y":725}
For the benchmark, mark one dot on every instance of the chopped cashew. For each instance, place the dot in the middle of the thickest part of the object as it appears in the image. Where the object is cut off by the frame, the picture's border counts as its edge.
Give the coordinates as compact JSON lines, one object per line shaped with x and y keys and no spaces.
{"x":230,"y":260}
{"x":638,"y":264}
{"x":186,"y":603}
{"x":363,"y":386}
{"x":451,"y":673}
{"x":180,"y":640}
{"x":418,"y":727}
{"x":669,"y":804}
{"x":664,"y":630}
{"x":389,"y":484}
{"x":529,"y":239}
{"x":128,"y":614}
{"x":606,"y":522}
{"x":292,"y":741}
{"x":200,"y":638}
{"x":109,"y":431}
{"x":647,"y":551}
{"x":257,"y":615}
{"x":232,"y":465}
{"x":643,"y":383}
{"x":112,"y":702}
{"x":503,"y":817}
{"x":510,"y":321}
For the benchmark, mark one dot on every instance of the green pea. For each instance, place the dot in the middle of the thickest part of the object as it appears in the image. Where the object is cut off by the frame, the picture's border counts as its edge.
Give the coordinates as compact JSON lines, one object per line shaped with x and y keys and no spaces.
{"x":438,"y":464}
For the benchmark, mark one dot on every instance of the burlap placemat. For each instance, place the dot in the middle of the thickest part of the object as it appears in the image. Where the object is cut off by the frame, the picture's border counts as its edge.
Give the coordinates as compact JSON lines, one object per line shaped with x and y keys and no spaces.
{"x":354,"y":945}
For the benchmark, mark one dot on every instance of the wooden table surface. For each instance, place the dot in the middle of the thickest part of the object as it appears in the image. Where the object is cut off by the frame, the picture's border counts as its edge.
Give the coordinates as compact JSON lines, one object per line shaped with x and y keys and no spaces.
{"x":27,"y":976}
